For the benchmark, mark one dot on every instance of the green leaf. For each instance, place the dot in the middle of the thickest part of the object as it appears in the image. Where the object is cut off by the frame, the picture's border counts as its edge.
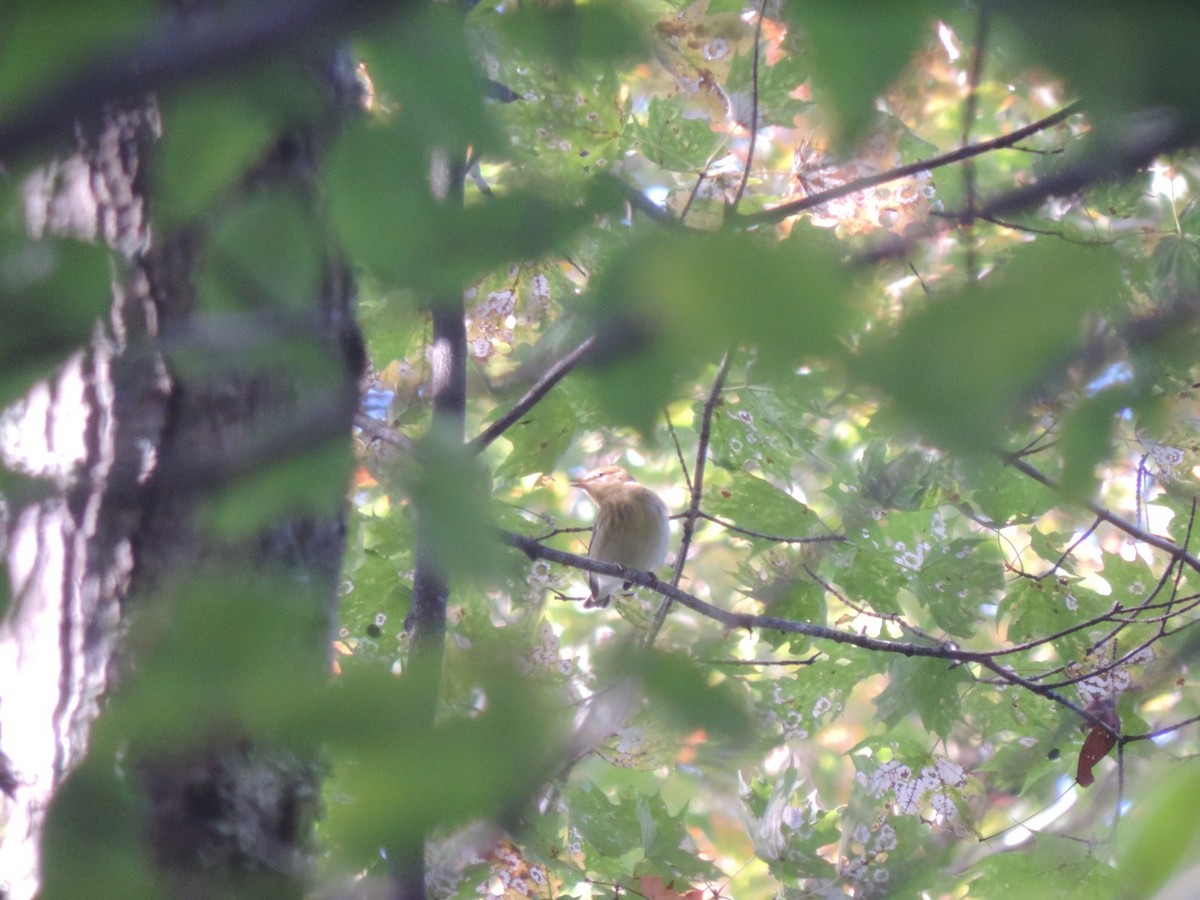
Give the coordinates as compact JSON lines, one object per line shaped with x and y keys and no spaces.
{"x":45,"y":43}
{"x":52,"y":293}
{"x":868,"y":576}
{"x":961,"y":368}
{"x":265,"y":253}
{"x":751,"y":502}
{"x":240,"y":651}
{"x":900,"y":482}
{"x":540,"y":438}
{"x":766,"y":428}
{"x":1054,"y":867}
{"x":858,"y":49}
{"x":311,"y":481}
{"x":381,"y":205}
{"x":928,"y":687}
{"x":214,"y":132}
{"x":1175,"y":269}
{"x":1145,"y":67}
{"x":81,"y":860}
{"x":686,"y":694}
{"x":571,"y":34}
{"x":422,"y":64}
{"x":1087,"y":440}
{"x":958,"y":577}
{"x":451,"y":492}
{"x":673,"y":141}
{"x":634,"y":386}
{"x":708,"y":292}
{"x":389,"y":221}
{"x":386,"y":759}
{"x":1160,"y":833}
{"x":776,"y":82}
{"x":1002,"y":493}
{"x":1038,"y":608}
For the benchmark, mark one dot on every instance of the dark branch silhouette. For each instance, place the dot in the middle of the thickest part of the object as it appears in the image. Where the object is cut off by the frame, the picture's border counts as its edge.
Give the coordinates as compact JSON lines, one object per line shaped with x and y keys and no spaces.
{"x":938,"y":650}
{"x":787,"y":210}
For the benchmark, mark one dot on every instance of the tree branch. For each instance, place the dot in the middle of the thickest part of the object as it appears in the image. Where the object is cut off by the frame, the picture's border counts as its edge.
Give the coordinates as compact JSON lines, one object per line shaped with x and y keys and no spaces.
{"x":1167,"y":546}
{"x":787,"y":210}
{"x":426,"y":621}
{"x":938,"y":650}
{"x":737,"y":197}
{"x":540,"y":388}
{"x":693,"y":511}
{"x":174,"y":53}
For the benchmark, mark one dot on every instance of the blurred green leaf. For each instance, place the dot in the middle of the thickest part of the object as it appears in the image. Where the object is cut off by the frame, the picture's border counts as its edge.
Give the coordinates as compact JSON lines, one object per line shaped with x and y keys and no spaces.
{"x":1053,"y":866}
{"x":858,"y":49}
{"x":1087,"y":440}
{"x":80,"y":859}
{"x":1000,"y":492}
{"x":214,"y":132}
{"x":381,"y":205}
{"x":1147,"y":50}
{"x":52,"y":292}
{"x":45,"y":43}
{"x":451,"y":492}
{"x":389,"y":221}
{"x":571,"y":34}
{"x":901,"y":482}
{"x":1160,"y":833}
{"x":687,"y":694}
{"x":708,"y":292}
{"x":631,"y":373}
{"x":305,"y":481}
{"x":396,"y":778}
{"x":423,"y":64}
{"x":240,"y":652}
{"x":266,"y":252}
{"x":960,"y":368}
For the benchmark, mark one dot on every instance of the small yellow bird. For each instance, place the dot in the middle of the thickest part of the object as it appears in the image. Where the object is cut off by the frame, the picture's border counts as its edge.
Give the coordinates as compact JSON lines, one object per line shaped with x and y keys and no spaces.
{"x":632,"y":528}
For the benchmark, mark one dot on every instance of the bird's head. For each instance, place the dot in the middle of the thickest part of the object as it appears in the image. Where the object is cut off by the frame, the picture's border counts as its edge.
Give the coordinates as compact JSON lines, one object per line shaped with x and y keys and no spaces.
{"x":600,"y":483}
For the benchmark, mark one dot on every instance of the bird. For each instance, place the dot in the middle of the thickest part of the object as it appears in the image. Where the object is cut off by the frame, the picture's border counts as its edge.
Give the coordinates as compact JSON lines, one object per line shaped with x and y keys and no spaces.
{"x":632,"y":528}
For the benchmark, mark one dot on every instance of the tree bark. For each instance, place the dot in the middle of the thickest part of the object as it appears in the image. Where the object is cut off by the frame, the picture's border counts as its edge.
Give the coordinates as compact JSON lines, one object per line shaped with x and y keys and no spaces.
{"x":134,"y":446}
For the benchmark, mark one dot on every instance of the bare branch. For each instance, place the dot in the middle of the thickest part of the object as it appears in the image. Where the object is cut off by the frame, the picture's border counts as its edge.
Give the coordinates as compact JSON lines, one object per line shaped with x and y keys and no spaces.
{"x":693,"y":511}
{"x":172,"y":54}
{"x":777,"y":538}
{"x":937,"y":650}
{"x":540,"y":389}
{"x":1167,"y":546}
{"x":737,"y":197}
{"x":787,"y":210}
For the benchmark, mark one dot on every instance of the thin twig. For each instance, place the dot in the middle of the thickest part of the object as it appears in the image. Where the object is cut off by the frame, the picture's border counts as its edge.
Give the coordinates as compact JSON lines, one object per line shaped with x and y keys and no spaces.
{"x":787,"y":210}
{"x":777,"y":538}
{"x":737,"y":197}
{"x":687,"y":475}
{"x":697,"y":493}
{"x":1167,"y":546}
{"x":972,"y":104}
{"x":540,"y":388}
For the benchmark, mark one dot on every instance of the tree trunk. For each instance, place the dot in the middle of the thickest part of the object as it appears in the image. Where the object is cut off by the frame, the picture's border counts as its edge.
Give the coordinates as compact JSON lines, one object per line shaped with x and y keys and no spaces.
{"x":135,"y":445}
